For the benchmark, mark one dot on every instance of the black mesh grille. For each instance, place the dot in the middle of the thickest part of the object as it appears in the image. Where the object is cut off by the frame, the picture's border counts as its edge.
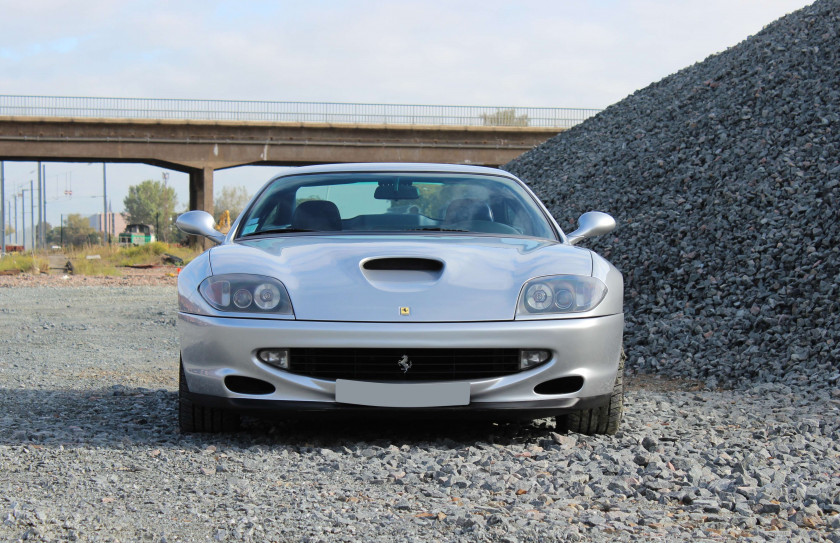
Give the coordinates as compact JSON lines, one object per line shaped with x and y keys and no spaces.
{"x":384,"y":364}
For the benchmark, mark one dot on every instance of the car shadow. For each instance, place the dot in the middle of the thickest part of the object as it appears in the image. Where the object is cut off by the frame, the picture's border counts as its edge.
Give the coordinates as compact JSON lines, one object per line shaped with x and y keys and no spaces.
{"x":120,"y":417}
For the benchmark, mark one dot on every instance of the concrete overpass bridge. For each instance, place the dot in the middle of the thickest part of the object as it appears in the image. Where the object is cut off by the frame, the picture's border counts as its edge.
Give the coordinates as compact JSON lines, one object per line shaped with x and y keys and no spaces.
{"x":201,"y":136}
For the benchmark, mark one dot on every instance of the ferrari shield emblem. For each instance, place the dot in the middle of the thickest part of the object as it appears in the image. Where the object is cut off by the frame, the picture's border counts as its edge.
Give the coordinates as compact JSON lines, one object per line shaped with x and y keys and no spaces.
{"x":405,"y":311}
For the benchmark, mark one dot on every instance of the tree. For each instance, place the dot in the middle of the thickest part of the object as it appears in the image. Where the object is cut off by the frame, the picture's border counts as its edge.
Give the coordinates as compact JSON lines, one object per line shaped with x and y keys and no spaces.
{"x":77,"y":231}
{"x":504,"y":117}
{"x":151,"y":202}
{"x":232,"y":199}
{"x":47,"y":227}
{"x":54,"y":235}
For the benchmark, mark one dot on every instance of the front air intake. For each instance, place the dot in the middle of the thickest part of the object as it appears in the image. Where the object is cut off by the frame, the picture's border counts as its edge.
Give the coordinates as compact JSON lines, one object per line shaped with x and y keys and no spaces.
{"x":409,"y":364}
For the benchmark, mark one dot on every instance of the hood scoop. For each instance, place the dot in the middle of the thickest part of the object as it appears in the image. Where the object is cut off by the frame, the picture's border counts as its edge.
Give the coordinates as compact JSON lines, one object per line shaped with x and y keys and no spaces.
{"x":403,"y":264}
{"x":402,"y":274}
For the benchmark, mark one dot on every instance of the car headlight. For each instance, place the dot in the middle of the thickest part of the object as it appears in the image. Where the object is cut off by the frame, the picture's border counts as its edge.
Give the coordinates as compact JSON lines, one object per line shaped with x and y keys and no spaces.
{"x":560,"y":294}
{"x":245,"y":293}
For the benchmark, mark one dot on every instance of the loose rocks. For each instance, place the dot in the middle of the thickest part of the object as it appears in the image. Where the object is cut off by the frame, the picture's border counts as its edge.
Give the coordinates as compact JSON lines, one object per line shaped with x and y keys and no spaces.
{"x":89,"y":451}
{"x":725,"y":182}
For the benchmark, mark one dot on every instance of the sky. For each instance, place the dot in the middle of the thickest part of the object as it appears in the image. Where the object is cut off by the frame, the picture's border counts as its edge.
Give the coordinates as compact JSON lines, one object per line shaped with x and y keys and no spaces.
{"x":543,"y":53}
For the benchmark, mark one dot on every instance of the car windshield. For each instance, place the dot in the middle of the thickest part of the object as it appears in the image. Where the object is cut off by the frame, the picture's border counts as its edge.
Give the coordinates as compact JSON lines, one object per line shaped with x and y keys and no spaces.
{"x":360,"y":202}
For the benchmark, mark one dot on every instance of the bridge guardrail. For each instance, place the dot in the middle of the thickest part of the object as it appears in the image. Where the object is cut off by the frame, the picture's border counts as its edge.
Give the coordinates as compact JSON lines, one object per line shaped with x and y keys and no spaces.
{"x":268,"y":111}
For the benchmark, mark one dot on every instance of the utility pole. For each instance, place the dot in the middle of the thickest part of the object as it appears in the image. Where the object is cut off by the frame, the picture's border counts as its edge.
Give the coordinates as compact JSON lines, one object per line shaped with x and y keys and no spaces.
{"x":40,"y":217}
{"x":16,"y":228}
{"x":7,"y":217}
{"x":104,"y":207}
{"x":23,"y":218}
{"x":32,"y":212}
{"x":3,"y":211}
{"x":44,"y":203}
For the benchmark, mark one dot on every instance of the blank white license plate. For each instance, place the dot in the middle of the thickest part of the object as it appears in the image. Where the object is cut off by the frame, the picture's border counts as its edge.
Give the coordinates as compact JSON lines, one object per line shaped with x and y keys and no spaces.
{"x":402,"y":394}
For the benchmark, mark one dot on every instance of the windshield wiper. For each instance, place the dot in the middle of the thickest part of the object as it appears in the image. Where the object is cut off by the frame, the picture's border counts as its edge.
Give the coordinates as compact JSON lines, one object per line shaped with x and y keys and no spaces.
{"x":276,"y":231}
{"x":436,"y":229}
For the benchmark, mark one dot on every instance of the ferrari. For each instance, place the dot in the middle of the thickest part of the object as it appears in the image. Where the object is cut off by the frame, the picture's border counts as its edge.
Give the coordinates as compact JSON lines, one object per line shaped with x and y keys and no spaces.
{"x":425,"y":289}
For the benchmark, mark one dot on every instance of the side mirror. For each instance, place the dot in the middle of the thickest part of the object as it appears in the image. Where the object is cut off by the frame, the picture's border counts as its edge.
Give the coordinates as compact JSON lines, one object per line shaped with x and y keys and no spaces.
{"x":591,"y":223}
{"x":199,"y":223}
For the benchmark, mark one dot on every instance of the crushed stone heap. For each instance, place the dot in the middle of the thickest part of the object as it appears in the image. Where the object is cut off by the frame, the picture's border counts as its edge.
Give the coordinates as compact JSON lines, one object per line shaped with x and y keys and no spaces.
{"x":725,"y":182}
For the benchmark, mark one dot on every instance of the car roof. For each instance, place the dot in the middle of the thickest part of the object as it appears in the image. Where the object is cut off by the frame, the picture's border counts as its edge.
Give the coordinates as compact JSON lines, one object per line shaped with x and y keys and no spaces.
{"x":395,"y":167}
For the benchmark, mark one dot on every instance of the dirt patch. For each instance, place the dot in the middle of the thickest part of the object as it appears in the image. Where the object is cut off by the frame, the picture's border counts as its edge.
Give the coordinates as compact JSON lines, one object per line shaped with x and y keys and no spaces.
{"x":162,"y":275}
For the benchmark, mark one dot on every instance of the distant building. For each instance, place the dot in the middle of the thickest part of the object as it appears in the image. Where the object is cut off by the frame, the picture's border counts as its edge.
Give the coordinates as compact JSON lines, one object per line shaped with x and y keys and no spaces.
{"x":116,"y":223}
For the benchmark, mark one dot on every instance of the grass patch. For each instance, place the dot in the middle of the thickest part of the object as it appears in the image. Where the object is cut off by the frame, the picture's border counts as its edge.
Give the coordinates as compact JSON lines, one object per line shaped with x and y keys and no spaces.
{"x":83,"y":266}
{"x":24,"y":263}
{"x":152,"y":253}
{"x":111,"y":258}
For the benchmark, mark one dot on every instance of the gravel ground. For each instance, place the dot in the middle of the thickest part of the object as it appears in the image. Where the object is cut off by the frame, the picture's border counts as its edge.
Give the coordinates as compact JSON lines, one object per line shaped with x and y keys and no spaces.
{"x":725,"y":181}
{"x":162,"y":275}
{"x":89,"y":451}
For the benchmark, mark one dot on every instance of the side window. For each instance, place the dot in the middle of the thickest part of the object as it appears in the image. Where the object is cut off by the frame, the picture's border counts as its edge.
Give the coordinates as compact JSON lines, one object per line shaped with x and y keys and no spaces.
{"x":510,"y":212}
{"x":273,"y":211}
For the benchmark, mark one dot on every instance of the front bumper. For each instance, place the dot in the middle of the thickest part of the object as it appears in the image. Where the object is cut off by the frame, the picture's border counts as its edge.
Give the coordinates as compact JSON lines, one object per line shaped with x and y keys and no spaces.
{"x":213,"y":348}
{"x":498,"y":410}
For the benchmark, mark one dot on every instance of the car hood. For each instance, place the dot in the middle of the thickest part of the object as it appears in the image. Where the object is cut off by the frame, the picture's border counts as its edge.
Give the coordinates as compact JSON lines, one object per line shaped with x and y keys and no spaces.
{"x":401,"y":278}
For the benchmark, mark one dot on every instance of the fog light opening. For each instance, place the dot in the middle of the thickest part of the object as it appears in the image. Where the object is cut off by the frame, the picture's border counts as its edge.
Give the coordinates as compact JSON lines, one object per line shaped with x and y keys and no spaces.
{"x":248,"y":385}
{"x":563,"y":385}
{"x":279,"y":358}
{"x":529,"y":358}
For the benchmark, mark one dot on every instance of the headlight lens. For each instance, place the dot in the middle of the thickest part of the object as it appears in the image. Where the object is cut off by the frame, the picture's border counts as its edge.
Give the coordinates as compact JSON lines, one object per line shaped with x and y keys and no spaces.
{"x":267,"y":296}
{"x":242,"y":299}
{"x":538,"y":297}
{"x":245,"y":293}
{"x":560,"y":294}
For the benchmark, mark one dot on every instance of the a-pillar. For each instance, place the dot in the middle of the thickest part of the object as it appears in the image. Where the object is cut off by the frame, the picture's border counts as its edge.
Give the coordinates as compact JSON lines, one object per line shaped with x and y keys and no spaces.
{"x":201,"y":194}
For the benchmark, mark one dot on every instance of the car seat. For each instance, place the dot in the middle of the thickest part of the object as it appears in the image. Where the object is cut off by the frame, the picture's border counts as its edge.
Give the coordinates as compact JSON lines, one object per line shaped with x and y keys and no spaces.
{"x":318,"y":215}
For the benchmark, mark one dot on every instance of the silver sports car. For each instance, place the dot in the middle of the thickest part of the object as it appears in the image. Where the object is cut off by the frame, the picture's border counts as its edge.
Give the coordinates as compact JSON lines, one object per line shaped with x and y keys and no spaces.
{"x":419,"y":288}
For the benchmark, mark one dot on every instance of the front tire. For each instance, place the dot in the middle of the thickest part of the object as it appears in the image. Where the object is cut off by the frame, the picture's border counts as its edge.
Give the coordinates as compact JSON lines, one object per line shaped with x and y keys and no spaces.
{"x":193,"y":418}
{"x":604,"y":419}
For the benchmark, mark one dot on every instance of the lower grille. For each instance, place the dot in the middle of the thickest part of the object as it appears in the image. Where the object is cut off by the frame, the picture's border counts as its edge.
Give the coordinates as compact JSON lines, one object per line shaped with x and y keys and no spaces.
{"x":384,"y":364}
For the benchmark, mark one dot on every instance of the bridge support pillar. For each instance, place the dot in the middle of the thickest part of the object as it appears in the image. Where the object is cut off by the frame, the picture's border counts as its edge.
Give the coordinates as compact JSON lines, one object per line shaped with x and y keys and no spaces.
{"x":201,"y":196}
{"x":201,"y":189}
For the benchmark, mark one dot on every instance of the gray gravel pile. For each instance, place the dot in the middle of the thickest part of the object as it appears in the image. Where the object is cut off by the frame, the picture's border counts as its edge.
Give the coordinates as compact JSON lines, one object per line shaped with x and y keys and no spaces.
{"x":89,"y":451}
{"x":725,"y":182}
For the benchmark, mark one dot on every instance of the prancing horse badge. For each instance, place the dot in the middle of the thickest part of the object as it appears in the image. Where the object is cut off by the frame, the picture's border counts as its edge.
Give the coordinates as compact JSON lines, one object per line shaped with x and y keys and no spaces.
{"x":404,"y":363}
{"x":405,"y":311}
